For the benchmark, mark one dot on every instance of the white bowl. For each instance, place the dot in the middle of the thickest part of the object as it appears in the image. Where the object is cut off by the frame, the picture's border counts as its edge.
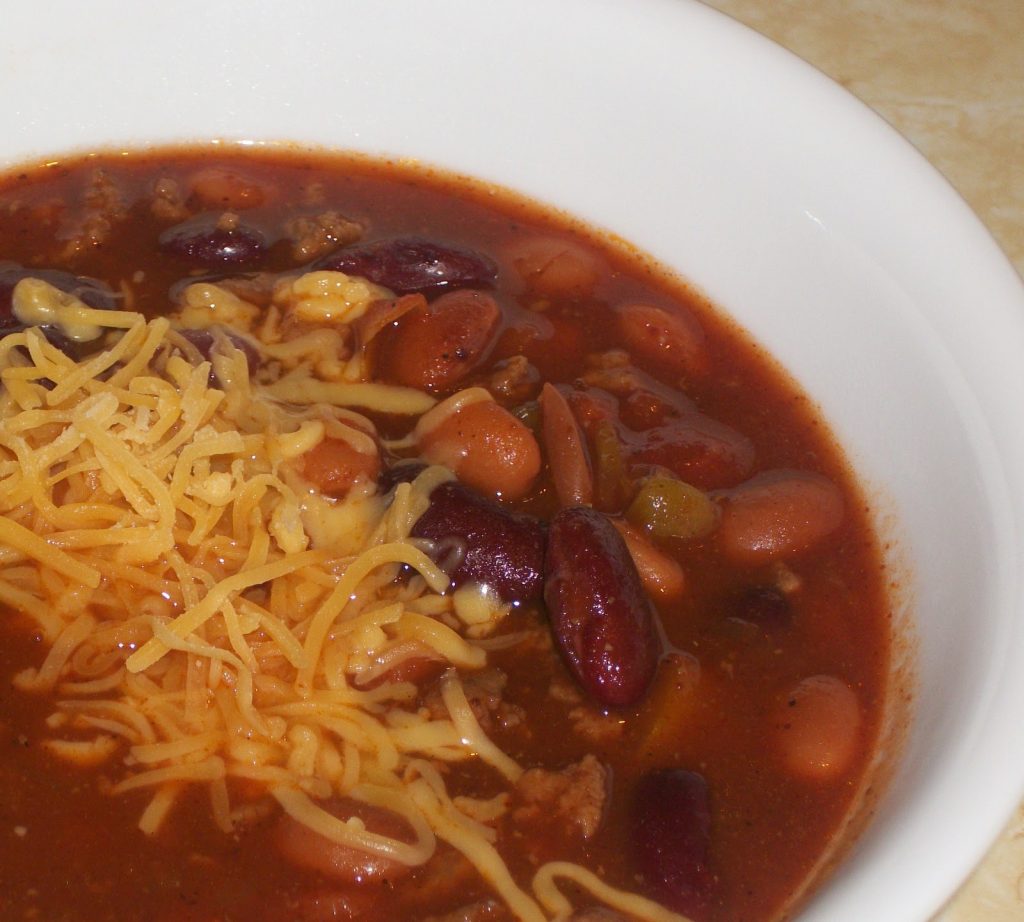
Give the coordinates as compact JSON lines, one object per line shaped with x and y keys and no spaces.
{"x":786,"y":201}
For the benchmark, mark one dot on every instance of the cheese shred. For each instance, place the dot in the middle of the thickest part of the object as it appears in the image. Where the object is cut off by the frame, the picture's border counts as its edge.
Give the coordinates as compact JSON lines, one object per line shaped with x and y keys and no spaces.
{"x":212,"y":620}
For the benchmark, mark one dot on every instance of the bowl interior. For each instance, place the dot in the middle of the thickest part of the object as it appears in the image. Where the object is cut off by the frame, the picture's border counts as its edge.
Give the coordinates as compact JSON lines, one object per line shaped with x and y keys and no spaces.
{"x":755,"y":178}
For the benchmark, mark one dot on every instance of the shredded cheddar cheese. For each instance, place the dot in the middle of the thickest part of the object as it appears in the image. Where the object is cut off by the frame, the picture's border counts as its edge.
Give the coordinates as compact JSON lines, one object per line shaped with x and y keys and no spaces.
{"x":210,"y":618}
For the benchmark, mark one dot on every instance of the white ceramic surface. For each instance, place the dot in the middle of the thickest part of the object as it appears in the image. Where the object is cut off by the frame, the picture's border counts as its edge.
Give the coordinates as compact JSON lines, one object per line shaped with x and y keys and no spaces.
{"x":772,"y":190}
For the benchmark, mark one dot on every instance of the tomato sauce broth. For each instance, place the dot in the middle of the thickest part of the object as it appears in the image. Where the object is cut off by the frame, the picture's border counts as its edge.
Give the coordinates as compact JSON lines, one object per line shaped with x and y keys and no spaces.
{"x":738,"y":642}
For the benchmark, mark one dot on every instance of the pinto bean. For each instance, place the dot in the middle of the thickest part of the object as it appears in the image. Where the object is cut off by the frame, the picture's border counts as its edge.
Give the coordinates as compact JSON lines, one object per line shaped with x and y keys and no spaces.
{"x":818,"y":728}
{"x":567,"y":456}
{"x":662,"y":577}
{"x":306,"y":848}
{"x":408,"y":265}
{"x":333,"y":465}
{"x":555,"y":267}
{"x":502,"y":550}
{"x":487,"y":448}
{"x":216,"y":187}
{"x":671,"y":834}
{"x":671,"y":341}
{"x":603,"y":623}
{"x":433,"y":348}
{"x":778,"y":514}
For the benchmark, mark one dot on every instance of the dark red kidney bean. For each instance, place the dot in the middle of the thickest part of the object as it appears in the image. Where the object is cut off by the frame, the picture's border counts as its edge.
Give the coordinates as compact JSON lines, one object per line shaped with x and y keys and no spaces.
{"x":58,"y":340}
{"x":503,"y":550}
{"x":206,"y":240}
{"x":89,"y":291}
{"x":203,"y":340}
{"x":670,"y":829}
{"x":437,"y":346}
{"x":601,"y":619}
{"x":409,"y":265}
{"x":700,"y":450}
{"x":765,"y":606}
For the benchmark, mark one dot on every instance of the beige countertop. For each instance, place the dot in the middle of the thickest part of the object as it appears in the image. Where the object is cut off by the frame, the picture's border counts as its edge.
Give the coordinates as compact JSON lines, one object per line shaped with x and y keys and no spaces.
{"x":949,"y":75}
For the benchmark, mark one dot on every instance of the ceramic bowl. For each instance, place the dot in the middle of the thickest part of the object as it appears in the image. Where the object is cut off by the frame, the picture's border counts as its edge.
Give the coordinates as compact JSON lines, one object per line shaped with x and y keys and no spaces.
{"x":788,"y":203}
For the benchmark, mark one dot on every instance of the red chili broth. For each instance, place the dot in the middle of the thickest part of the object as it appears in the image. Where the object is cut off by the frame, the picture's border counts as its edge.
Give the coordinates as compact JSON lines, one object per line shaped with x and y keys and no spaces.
{"x":70,"y":852}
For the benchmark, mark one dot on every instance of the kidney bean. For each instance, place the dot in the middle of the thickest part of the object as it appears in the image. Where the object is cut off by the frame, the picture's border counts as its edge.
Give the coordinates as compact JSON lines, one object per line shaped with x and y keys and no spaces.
{"x":555,"y":267}
{"x":306,"y":848}
{"x":203,"y":340}
{"x":671,"y":341}
{"x":818,"y":728}
{"x":434,"y":348}
{"x":213,"y":239}
{"x":699,"y":450}
{"x":54,"y":337}
{"x":502,"y":550}
{"x":778,"y":514}
{"x":670,"y":830}
{"x":487,"y":448}
{"x":408,"y":265}
{"x":567,"y":456}
{"x":89,"y":291}
{"x":601,"y":619}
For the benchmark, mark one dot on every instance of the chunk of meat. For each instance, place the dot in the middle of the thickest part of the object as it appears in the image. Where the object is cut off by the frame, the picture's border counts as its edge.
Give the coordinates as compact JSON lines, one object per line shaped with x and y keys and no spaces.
{"x":573,"y":798}
{"x":485,"y":693}
{"x":167,"y":202}
{"x":105,"y":207}
{"x":514,"y":380}
{"x":595,"y":726}
{"x":312,"y":236}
